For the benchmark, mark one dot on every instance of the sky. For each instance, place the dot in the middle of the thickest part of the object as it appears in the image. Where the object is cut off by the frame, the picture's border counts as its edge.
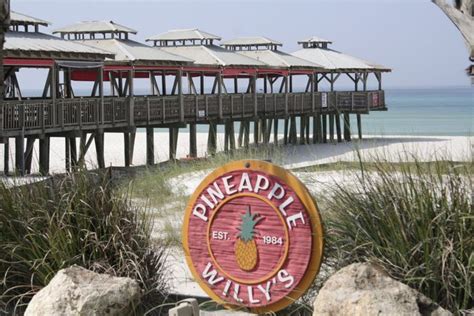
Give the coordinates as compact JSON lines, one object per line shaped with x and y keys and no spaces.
{"x":413,"y":37}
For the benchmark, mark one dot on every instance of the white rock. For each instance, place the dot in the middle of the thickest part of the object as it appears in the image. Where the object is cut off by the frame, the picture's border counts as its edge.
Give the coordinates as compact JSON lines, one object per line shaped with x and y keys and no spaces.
{"x":78,"y":291}
{"x":365,"y":289}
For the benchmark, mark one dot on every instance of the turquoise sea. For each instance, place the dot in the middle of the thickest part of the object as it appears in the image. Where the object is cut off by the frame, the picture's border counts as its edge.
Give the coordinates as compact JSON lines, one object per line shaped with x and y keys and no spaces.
{"x":434,"y":111}
{"x":427,"y":111}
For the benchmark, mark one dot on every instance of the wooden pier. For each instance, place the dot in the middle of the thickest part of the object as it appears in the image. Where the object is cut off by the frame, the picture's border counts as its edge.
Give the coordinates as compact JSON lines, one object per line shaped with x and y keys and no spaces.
{"x":323,"y":115}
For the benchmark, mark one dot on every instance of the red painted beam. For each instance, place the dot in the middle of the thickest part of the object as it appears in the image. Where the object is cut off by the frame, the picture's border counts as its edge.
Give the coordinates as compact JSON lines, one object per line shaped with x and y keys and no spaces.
{"x":24,"y":62}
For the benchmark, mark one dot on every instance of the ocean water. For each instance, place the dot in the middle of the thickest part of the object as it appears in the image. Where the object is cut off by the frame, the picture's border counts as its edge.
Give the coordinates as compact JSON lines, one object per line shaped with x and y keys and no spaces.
{"x":440,"y":111}
{"x":427,"y":111}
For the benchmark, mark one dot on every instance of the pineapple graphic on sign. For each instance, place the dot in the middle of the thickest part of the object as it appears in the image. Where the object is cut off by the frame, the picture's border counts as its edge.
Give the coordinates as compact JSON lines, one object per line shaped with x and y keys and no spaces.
{"x":245,"y":249}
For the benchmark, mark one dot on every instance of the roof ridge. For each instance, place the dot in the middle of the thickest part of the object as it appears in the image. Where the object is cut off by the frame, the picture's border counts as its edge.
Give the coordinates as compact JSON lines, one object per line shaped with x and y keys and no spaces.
{"x":279,"y":57}
{"x":124,"y":50}
{"x":214,"y":55}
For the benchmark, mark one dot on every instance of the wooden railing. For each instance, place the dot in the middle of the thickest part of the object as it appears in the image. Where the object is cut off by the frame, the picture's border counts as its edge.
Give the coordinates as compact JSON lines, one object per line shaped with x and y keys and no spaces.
{"x":88,"y":113}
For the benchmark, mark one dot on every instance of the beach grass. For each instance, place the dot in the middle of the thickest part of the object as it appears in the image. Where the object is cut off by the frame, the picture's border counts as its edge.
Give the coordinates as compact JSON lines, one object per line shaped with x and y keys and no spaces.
{"x":77,"y":219}
{"x":414,"y":219}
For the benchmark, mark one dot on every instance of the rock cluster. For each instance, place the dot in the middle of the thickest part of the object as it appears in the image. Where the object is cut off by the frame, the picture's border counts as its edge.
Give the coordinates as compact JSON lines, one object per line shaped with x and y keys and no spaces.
{"x":365,"y":289}
{"x":78,"y":291}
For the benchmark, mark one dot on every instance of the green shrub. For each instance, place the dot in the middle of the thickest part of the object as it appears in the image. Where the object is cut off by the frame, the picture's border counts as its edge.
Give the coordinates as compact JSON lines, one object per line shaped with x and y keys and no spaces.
{"x":79,"y":219}
{"x":415,"y":220}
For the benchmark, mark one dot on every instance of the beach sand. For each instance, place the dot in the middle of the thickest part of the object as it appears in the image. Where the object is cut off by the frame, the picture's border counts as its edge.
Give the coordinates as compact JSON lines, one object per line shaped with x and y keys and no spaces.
{"x":425,"y":148}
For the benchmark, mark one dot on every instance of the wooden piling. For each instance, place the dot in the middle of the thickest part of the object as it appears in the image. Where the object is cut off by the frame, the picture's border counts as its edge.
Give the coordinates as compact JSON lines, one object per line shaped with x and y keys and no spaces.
{"x":347,"y":127}
{"x":132,"y":145}
{"x":173,"y":142}
{"x":302,"y":129}
{"x":19,"y":155}
{"x":325,"y":130}
{"x":150,"y":146}
{"x":247,"y":135}
{"x":212,"y":139}
{"x":192,"y":140}
{"x":293,"y":132}
{"x":6,"y":156}
{"x":231,"y":136}
{"x":67,"y":154}
{"x":256,"y":131}
{"x":30,"y":143}
{"x":126,"y":149}
{"x":359,"y":126}
{"x":307,"y":129}
{"x":44,"y":147}
{"x":99,"y":148}
{"x":275,"y":132}
{"x":241,"y":133}
{"x":73,"y":151}
{"x":338,"y":127}
{"x":285,"y":132}
{"x":331,"y":128}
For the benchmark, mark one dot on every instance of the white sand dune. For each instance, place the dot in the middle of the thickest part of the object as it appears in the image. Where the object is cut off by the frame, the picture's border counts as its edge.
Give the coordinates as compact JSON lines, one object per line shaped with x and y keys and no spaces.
{"x":425,"y":148}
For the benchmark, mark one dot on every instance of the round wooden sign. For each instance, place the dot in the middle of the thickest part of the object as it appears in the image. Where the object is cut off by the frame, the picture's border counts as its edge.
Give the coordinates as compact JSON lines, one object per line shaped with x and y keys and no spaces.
{"x":253,"y":236}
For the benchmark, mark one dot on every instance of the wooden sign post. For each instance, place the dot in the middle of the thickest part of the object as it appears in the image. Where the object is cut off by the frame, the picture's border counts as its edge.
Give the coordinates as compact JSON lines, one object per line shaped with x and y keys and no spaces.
{"x":253,"y":236}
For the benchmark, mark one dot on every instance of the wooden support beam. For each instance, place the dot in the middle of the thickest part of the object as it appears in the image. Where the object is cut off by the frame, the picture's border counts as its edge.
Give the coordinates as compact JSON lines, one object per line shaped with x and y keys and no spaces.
{"x":359,"y":126}
{"x":99,"y":148}
{"x":231,"y":136}
{"x":150,"y":146}
{"x":347,"y":127}
{"x":6,"y":156}
{"x":19,"y":155}
{"x":67,"y":154}
{"x":212,"y":139}
{"x":256,"y":131}
{"x":241,"y":133}
{"x":219,"y":93}
{"x":285,"y":132}
{"x":331,"y":128}
{"x":302,"y":130}
{"x":133,"y":135}
{"x":293,"y":134}
{"x":325,"y":130}
{"x":179,"y":79}
{"x":30,"y":143}
{"x":201,"y":84}
{"x":163,"y":82}
{"x":47,"y":85}
{"x":44,"y":154}
{"x":192,"y":140}
{"x":338,"y":127}
{"x":73,"y":151}
{"x":307,"y":130}
{"x":126,"y":149}
{"x":275,"y":131}
{"x":173,"y":142}
{"x":247,"y":134}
